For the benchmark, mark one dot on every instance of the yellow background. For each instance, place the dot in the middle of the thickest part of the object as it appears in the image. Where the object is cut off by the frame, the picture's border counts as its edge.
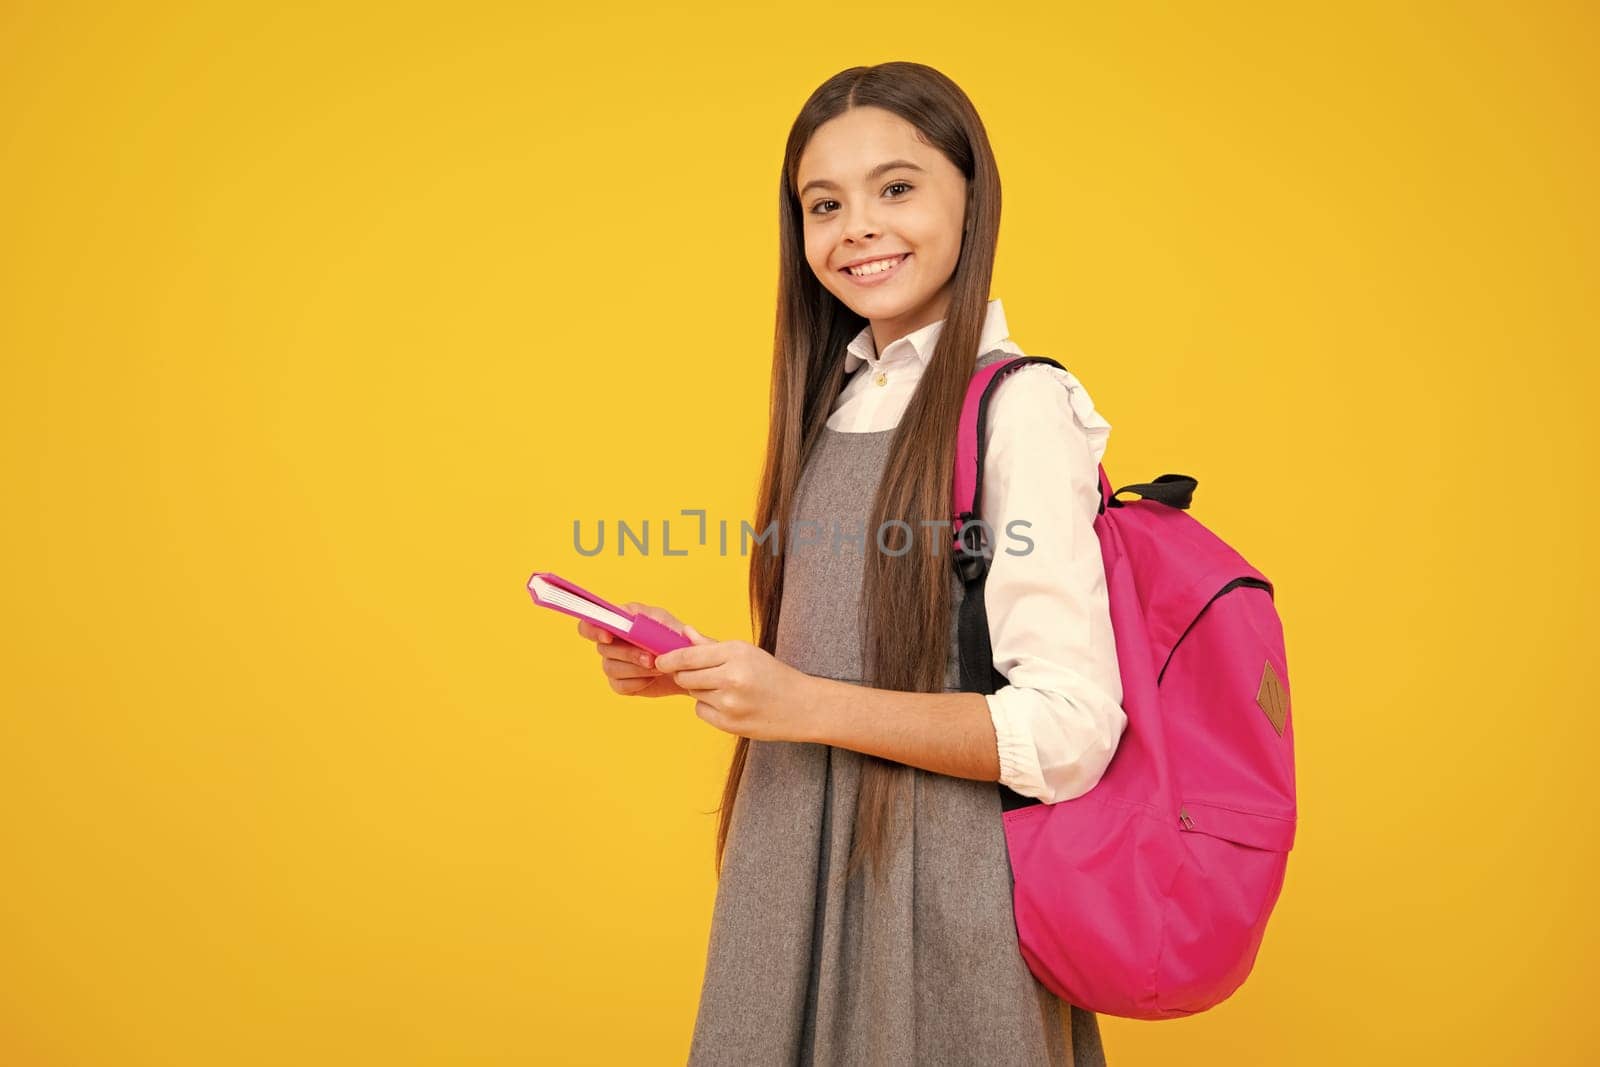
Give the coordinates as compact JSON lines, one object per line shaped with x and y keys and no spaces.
{"x":321,"y":327}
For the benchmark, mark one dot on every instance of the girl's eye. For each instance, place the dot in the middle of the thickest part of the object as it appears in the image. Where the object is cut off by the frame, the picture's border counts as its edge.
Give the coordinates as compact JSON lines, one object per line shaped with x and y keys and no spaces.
{"x":816,"y":209}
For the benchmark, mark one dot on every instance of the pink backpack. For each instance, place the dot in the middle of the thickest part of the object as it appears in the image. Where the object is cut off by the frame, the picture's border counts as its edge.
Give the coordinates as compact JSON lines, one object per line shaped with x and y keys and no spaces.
{"x":1147,"y":896}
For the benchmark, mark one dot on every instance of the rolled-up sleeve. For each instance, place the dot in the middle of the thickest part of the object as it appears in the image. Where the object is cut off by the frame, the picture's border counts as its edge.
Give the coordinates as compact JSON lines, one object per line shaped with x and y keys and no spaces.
{"x":1059,"y":719}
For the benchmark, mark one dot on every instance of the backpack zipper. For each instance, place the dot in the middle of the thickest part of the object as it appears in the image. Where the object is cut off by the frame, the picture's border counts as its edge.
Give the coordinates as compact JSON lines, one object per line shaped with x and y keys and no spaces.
{"x":1254,"y":583}
{"x":1184,"y":820}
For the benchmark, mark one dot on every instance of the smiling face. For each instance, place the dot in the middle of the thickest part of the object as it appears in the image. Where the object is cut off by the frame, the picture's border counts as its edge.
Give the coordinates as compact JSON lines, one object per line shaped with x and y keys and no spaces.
{"x":873,"y":193}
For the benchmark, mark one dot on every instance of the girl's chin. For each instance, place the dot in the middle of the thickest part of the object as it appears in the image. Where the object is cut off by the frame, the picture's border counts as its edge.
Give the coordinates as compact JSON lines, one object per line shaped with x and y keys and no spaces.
{"x":880,"y":304}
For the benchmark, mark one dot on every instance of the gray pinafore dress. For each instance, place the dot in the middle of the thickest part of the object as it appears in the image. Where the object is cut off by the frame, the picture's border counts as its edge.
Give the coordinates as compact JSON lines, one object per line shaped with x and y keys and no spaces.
{"x":806,"y":968}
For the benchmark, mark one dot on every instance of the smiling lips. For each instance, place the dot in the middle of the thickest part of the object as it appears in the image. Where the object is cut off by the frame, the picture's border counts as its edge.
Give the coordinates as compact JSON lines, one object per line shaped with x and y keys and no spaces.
{"x":877,"y":271}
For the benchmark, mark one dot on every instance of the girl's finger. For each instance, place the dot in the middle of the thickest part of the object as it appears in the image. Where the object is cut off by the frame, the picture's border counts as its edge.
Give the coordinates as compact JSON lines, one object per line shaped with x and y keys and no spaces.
{"x":623,"y":651}
{"x":701,"y":678}
{"x":621,"y":668}
{"x":590,"y":632}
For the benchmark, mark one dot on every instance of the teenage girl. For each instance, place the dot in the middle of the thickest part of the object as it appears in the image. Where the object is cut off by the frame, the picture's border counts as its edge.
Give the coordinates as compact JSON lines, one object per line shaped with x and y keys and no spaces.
{"x":863,"y":911}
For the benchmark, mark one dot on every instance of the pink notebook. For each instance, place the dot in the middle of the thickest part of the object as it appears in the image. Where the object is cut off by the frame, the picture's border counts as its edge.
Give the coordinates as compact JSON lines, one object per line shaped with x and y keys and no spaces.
{"x":552,"y":591}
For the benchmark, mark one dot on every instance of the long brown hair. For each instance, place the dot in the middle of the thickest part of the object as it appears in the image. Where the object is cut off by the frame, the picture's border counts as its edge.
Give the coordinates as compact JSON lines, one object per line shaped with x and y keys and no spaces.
{"x":906,"y":599}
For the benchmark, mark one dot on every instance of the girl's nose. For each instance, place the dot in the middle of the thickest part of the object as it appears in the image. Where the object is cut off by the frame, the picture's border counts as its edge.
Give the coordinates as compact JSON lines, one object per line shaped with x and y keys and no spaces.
{"x":859,"y":229}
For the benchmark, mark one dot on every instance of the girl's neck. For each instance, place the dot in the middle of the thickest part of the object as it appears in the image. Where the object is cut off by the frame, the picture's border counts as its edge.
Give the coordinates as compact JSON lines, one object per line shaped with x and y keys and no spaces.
{"x":886,"y":332}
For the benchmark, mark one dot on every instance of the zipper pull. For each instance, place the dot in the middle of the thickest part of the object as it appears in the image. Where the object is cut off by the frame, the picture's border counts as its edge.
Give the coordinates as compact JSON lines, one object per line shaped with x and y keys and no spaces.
{"x":1183,"y":817}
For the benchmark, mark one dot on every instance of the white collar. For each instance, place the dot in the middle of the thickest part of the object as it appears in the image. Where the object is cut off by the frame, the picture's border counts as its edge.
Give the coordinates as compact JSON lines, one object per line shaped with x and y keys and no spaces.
{"x":919,"y":343}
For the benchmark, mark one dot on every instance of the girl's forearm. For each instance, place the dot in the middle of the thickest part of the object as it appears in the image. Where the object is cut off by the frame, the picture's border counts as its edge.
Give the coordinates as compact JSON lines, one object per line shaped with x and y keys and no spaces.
{"x":948,"y":733}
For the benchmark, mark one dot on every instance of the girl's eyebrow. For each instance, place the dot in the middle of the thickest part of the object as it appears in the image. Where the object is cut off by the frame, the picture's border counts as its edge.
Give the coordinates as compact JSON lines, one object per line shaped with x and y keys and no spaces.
{"x":881,"y":168}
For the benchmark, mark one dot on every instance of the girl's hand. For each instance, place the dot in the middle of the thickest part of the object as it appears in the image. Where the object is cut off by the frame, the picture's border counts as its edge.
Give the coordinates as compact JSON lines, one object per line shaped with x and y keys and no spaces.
{"x":741,"y":688}
{"x":628,"y":667}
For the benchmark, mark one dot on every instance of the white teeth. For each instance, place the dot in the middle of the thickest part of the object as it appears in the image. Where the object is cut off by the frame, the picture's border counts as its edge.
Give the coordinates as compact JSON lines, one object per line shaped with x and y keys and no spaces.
{"x":878,"y":267}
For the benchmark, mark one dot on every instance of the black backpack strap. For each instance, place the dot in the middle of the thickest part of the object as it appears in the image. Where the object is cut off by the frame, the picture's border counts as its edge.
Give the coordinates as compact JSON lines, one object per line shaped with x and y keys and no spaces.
{"x":978,"y":672}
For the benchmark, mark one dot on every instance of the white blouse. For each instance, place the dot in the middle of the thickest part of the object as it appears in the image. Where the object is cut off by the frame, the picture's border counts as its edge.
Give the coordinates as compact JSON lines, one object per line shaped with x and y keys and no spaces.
{"x":1059,"y":719}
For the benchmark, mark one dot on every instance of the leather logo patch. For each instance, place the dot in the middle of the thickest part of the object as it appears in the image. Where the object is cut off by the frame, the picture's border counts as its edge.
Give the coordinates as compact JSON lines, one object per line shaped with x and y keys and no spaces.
{"x":1272,"y":699}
